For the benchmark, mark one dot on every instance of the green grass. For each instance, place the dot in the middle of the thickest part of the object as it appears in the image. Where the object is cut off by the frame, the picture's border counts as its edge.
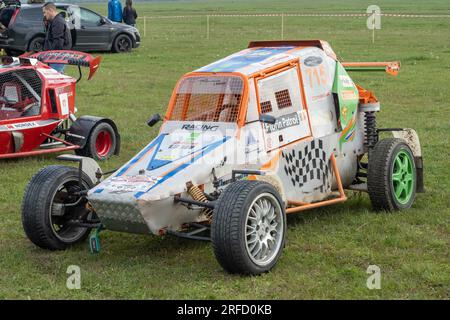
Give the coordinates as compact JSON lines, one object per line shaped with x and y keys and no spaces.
{"x":328,"y":250}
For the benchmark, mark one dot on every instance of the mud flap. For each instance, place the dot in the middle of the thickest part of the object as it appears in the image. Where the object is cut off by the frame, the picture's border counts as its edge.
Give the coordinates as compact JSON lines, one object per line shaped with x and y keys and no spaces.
{"x":412,"y":139}
{"x":89,"y":166}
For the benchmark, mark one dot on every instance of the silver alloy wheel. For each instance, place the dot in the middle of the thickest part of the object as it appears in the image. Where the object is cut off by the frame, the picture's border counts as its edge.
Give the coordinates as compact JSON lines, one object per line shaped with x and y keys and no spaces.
{"x":264,"y":229}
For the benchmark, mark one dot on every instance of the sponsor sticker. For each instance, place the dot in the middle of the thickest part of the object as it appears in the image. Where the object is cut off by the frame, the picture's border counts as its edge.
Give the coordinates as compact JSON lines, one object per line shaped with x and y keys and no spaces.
{"x":182,"y":145}
{"x":348,"y":95}
{"x":312,"y":61}
{"x":199,"y":127}
{"x":128,"y":184}
{"x":346,"y":81}
{"x":283,"y":122}
{"x":64,"y":103}
{"x":24,"y":125}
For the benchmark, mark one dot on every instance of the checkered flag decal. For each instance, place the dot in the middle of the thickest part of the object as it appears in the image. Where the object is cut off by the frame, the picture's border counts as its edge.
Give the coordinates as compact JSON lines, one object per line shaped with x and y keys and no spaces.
{"x":310,"y":164}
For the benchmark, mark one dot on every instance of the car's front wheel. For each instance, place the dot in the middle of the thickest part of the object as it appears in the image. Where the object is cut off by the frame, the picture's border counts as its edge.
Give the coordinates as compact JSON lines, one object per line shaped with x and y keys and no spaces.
{"x":122,"y":43}
{"x":51,"y":204}
{"x":248,"y":227}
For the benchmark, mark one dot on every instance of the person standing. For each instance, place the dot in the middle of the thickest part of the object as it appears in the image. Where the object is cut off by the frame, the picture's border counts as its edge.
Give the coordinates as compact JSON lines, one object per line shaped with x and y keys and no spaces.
{"x":115,"y":10}
{"x":57,"y":36}
{"x":129,"y":14}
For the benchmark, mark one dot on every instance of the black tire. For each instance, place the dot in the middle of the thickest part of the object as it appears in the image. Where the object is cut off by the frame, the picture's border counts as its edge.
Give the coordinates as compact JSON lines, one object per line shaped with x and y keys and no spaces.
{"x":93,"y":150}
{"x":39,"y":208}
{"x":230,"y":226}
{"x":122,"y":43}
{"x":36,"y":44}
{"x":380,"y":181}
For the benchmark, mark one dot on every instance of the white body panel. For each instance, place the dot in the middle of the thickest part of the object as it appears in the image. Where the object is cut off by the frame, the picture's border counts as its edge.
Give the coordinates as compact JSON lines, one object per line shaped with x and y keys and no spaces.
{"x":139,"y":196}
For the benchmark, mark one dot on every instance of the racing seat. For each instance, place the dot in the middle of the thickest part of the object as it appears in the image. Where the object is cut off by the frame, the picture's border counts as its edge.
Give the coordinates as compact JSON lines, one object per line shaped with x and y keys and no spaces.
{"x":225,"y":114}
{"x":11,"y":91}
{"x":10,"y":96}
{"x":229,"y":111}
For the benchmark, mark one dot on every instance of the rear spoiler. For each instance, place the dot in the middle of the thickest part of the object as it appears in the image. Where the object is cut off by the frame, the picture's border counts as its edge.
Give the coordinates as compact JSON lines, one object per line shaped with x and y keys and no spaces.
{"x":74,"y":58}
{"x":391,"y":67}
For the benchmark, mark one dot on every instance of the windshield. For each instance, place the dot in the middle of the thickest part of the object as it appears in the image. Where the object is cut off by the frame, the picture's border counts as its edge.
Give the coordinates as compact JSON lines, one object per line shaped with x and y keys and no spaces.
{"x":208,"y":98}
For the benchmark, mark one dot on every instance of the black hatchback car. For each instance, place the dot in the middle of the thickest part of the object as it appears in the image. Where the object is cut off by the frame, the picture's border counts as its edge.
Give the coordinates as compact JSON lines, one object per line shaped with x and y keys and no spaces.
{"x":90,"y":31}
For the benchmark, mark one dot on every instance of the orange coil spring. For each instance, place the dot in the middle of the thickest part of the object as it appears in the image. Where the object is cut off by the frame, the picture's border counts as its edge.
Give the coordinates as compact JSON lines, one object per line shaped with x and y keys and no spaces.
{"x":198,"y":195}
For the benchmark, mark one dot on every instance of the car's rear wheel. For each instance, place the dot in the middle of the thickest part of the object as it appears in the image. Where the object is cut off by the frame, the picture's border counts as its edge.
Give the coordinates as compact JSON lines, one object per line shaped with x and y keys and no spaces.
{"x":122,"y":43}
{"x":248,"y":227}
{"x":52,"y":202}
{"x":101,"y":143}
{"x":36,"y":45}
{"x":392,"y":176}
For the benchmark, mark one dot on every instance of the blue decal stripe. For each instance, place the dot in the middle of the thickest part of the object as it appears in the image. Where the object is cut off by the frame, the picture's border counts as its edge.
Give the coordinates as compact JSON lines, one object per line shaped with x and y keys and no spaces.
{"x":140,"y":155}
{"x":349,"y":135}
{"x":154,"y":153}
{"x":170,"y":174}
{"x":155,"y":164}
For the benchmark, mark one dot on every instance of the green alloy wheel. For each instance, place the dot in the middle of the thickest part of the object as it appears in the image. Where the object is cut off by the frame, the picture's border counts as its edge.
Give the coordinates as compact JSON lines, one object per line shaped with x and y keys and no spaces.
{"x":391,"y":179}
{"x":403,"y":177}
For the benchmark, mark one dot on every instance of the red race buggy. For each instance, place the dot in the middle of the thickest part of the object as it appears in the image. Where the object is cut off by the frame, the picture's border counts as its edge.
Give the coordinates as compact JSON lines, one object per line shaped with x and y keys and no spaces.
{"x":37,"y":109}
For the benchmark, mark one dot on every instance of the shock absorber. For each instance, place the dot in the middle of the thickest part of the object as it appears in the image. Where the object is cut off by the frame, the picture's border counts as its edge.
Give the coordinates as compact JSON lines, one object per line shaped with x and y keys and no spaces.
{"x":370,"y":124}
{"x":370,"y":129}
{"x":198,"y":195}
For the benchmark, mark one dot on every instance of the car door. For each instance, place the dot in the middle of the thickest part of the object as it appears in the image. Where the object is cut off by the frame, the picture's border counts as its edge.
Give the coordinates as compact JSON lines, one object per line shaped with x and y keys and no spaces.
{"x":92,"y":31}
{"x":281,"y":96}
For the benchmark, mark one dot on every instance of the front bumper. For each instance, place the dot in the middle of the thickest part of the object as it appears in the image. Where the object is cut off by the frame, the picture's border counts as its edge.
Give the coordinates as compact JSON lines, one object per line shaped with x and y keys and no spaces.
{"x":137,"y":40}
{"x":5,"y":43}
{"x":121,"y":213}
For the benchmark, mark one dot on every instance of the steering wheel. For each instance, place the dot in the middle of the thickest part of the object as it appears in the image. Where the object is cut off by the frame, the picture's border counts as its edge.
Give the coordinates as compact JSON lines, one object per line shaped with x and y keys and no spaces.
{"x":28,"y":107}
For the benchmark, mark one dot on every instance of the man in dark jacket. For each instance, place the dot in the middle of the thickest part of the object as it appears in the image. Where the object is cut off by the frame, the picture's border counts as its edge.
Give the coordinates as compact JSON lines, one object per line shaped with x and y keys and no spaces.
{"x":57,"y":36}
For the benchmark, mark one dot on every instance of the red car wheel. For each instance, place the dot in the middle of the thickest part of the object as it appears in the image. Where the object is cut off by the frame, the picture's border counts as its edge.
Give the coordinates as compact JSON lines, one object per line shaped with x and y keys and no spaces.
{"x":103,"y":143}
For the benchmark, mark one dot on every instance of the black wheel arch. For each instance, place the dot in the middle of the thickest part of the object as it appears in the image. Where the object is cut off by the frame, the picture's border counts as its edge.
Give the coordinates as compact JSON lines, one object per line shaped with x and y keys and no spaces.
{"x":81,"y":129}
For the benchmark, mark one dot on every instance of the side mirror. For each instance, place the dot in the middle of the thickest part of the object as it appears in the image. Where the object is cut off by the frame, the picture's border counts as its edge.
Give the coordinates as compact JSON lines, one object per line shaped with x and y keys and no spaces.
{"x":154,"y":119}
{"x":102,"y":21}
{"x":267,"y":118}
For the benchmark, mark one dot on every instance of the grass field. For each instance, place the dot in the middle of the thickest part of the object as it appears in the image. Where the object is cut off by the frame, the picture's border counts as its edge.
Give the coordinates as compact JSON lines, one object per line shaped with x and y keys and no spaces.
{"x":328,"y":250}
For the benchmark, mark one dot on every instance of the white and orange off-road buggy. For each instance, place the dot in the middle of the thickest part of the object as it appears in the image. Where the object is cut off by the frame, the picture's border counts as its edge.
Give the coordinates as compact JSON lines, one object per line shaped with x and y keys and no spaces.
{"x":275,"y":129}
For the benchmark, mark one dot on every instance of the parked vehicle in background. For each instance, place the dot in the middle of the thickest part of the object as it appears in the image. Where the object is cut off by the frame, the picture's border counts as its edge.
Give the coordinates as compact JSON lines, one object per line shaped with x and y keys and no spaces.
{"x":90,"y":31}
